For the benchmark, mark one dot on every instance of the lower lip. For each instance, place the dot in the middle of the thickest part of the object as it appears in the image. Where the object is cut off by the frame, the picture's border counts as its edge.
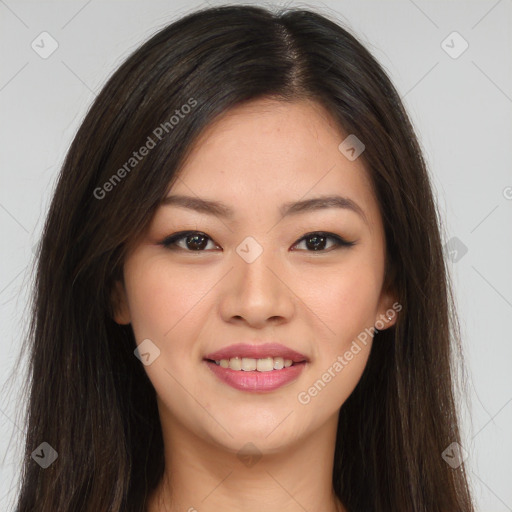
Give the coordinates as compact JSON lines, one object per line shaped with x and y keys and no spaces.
{"x":254,"y":380}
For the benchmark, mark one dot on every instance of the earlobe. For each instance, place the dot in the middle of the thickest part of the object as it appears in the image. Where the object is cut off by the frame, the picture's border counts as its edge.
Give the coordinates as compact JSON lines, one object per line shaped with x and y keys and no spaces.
{"x":388,"y":311}
{"x":121,"y":311}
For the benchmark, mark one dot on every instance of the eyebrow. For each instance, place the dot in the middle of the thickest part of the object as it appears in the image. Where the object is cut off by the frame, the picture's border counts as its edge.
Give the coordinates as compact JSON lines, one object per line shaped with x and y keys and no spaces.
{"x":219,"y":209}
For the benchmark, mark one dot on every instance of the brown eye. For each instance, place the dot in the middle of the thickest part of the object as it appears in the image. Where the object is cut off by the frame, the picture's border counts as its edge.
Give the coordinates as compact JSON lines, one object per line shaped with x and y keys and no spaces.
{"x":317,"y":241}
{"x":194,"y":241}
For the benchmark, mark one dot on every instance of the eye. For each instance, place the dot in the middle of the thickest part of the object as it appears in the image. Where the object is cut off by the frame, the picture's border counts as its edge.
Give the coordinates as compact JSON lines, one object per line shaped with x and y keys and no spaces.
{"x":316,"y":241}
{"x":196,"y":241}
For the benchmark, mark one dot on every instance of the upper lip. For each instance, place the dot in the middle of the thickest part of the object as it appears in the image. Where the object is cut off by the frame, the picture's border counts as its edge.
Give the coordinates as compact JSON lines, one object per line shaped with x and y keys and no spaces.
{"x":258,"y":351}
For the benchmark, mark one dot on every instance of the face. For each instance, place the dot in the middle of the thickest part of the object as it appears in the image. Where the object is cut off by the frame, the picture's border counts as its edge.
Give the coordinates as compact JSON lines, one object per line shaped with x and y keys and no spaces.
{"x":310,"y":280}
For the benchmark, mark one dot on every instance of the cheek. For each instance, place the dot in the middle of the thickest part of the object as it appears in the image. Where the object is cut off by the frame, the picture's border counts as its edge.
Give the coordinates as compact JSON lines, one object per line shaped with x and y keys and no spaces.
{"x":345,"y":298}
{"x":345,"y":301}
{"x":160,"y":300}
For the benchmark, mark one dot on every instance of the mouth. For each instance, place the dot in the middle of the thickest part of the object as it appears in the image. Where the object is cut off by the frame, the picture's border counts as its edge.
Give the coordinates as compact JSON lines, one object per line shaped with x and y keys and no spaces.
{"x":256,"y":367}
{"x":266,"y":356}
{"x":256,"y":375}
{"x":250,"y":364}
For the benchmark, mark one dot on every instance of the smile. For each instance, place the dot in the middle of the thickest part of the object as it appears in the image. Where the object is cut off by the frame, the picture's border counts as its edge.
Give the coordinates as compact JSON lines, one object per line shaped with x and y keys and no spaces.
{"x":248,"y":364}
{"x":255,"y":380}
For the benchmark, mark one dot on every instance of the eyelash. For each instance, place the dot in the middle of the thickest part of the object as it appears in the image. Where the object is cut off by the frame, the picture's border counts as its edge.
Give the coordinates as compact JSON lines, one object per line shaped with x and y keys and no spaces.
{"x":170,"y":241}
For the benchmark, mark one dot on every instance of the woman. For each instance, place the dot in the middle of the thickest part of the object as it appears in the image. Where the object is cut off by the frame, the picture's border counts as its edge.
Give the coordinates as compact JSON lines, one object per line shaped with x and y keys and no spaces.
{"x":241,"y":299}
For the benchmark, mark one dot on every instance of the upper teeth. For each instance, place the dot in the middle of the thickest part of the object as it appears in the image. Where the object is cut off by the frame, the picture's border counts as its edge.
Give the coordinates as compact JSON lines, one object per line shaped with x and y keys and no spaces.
{"x":249,"y":364}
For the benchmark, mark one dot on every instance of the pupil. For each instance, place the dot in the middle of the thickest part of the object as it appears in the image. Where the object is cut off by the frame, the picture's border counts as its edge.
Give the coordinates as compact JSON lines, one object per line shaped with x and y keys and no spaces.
{"x":195,"y":244}
{"x":318,"y":240}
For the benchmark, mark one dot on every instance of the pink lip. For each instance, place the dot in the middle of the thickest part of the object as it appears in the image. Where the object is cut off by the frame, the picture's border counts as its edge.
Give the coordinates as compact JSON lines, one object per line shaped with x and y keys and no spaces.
{"x":254,"y":380}
{"x":257,"y":352}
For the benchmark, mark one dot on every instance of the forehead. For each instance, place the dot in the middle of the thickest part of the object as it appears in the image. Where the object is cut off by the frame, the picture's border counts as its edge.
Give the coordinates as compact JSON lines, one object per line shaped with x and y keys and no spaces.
{"x":268,"y":151}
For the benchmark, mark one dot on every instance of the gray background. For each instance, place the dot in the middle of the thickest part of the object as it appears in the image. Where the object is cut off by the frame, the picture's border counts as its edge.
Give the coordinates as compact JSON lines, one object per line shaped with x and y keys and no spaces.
{"x":461,"y":108}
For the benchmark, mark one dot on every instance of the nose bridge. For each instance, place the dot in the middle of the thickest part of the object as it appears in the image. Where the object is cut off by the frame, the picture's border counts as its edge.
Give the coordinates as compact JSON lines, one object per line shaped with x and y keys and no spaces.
{"x":256,"y":291}
{"x":254,"y":264}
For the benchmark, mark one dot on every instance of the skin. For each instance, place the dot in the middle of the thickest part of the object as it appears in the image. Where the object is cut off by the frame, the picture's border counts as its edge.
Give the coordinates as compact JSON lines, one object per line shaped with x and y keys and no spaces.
{"x":255,"y":158}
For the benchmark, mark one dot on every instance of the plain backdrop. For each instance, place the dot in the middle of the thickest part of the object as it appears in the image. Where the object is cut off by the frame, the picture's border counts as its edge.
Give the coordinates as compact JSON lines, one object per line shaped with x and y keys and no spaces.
{"x":459,"y":99}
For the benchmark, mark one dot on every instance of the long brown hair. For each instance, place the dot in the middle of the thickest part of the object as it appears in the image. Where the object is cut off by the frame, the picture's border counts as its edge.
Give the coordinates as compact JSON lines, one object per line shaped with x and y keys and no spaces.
{"x":89,"y":397}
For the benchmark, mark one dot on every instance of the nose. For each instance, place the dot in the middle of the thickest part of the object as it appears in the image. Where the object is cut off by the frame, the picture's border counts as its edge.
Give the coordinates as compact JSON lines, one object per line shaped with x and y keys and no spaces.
{"x":258,"y":292}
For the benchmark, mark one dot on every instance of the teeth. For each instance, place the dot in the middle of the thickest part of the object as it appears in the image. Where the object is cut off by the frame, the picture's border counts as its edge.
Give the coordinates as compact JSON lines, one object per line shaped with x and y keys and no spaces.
{"x":249,"y":364}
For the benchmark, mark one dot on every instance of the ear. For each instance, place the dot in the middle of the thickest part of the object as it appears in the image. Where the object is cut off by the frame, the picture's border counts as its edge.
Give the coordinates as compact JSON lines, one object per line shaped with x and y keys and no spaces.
{"x":121,"y":311}
{"x":387,"y":311}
